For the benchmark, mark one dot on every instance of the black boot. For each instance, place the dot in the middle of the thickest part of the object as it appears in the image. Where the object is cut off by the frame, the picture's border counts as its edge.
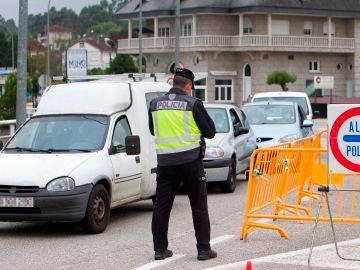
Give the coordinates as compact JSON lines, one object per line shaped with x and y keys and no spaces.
{"x":163,"y":255}
{"x":206,"y":255}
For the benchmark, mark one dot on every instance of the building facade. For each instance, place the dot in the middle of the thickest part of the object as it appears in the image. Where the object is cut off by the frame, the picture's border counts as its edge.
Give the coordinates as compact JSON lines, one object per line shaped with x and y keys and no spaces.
{"x":59,"y":37}
{"x":237,"y":44}
{"x":99,"y":55}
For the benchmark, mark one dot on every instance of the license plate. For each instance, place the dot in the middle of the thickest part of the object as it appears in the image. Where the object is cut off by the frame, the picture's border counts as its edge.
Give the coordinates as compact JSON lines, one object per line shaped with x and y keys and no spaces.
{"x":7,"y":201}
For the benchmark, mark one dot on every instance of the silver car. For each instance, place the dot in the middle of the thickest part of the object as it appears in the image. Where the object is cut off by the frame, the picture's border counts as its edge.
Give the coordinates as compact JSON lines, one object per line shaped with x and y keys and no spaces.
{"x":276,"y":122}
{"x":228,"y":153}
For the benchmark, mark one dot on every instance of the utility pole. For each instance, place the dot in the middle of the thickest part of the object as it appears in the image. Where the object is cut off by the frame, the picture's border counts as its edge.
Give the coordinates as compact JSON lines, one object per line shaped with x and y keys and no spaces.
{"x":140,"y":37}
{"x":47,"y":83}
{"x":22,"y":64}
{"x":177,"y":38}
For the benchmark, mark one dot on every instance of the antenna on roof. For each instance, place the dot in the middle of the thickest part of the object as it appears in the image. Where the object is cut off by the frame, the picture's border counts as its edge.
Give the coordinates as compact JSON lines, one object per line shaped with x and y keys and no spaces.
{"x":130,"y":75}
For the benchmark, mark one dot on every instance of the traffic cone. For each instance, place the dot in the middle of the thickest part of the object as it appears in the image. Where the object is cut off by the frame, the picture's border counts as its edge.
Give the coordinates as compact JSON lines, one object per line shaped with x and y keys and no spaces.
{"x":248,"y":265}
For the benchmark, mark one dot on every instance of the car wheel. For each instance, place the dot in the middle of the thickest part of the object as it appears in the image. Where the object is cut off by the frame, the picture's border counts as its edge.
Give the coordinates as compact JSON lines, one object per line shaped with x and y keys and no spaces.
{"x":97,"y":213}
{"x":230,"y":184}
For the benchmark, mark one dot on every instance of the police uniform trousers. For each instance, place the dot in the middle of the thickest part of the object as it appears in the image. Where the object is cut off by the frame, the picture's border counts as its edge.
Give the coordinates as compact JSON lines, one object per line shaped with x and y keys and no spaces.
{"x":168,"y":179}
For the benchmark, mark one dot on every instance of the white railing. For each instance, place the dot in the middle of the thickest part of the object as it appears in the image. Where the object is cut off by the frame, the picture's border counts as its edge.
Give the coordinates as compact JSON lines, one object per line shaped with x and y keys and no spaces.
{"x":10,"y":125}
{"x":217,"y":41}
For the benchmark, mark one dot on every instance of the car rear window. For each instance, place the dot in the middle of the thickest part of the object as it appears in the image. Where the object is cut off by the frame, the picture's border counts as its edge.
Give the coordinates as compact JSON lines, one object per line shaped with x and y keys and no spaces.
{"x":299,"y":100}
{"x":270,"y":114}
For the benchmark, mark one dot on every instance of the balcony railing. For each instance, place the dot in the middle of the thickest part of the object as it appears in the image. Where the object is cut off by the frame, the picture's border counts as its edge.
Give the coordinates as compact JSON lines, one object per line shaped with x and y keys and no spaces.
{"x":237,"y":42}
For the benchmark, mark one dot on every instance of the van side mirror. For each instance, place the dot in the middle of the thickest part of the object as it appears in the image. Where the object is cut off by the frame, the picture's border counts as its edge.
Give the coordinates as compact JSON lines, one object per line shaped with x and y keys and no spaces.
{"x":307,"y":123}
{"x":1,"y":145}
{"x":132,"y":145}
{"x":241,"y":131}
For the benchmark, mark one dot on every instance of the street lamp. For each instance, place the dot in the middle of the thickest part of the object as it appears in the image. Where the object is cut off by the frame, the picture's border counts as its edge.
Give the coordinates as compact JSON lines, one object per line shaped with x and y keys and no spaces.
{"x":140,"y":38}
{"x":47,"y":83}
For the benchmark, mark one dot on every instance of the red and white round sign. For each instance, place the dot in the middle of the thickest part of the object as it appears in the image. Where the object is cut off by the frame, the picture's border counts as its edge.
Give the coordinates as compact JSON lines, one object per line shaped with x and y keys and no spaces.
{"x":344,"y":138}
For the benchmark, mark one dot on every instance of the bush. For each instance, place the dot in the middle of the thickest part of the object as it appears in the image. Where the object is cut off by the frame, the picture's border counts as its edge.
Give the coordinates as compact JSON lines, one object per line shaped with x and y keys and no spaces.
{"x":123,"y":63}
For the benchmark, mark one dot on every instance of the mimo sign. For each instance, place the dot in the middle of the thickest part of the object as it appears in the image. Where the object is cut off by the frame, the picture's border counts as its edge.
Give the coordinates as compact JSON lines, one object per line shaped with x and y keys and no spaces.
{"x":323,"y":82}
{"x":344,"y":138}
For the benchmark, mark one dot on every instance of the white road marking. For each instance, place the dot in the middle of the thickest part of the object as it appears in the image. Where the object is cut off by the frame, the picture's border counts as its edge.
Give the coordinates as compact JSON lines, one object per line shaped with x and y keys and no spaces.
{"x":318,"y":260}
{"x":220,"y":239}
{"x":158,"y":263}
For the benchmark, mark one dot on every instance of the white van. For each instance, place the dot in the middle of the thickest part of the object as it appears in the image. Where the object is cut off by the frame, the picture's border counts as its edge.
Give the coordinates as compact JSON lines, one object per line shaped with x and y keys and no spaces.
{"x":86,"y":150}
{"x":299,"y":97}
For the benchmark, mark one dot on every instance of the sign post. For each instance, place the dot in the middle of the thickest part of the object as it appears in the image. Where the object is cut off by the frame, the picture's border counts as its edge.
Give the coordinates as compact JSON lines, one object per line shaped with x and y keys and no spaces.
{"x":324,"y":82}
{"x":76,"y":62}
{"x":344,"y":138}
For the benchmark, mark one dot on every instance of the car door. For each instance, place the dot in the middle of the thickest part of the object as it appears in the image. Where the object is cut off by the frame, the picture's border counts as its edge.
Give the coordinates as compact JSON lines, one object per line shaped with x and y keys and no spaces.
{"x":239,"y":141}
{"x":250,"y":139}
{"x":127,"y":169}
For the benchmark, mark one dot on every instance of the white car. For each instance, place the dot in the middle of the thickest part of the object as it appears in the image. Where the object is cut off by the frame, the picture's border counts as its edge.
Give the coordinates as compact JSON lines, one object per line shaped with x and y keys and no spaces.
{"x":299,"y":97}
{"x":228,"y":153}
{"x":276,"y":122}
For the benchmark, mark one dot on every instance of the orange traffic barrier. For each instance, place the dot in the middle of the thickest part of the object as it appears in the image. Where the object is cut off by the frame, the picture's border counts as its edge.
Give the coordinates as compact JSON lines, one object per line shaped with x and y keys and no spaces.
{"x":280,"y":178}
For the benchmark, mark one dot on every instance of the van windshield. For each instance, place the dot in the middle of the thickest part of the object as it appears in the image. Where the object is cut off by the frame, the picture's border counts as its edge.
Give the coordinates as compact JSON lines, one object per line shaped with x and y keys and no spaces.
{"x":71,"y":133}
{"x":299,"y":100}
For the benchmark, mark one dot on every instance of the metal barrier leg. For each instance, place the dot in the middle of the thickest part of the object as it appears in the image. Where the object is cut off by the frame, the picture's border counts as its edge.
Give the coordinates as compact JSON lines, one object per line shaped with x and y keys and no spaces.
{"x":315,"y":230}
{"x":334,"y":233}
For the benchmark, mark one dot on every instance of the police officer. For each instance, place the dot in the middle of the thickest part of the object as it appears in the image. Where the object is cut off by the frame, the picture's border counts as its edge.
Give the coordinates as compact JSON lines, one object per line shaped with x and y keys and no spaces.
{"x":179,"y":123}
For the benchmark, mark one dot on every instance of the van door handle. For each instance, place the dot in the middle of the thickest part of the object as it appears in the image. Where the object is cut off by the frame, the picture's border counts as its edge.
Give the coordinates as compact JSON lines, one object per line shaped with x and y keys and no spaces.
{"x":137,"y":159}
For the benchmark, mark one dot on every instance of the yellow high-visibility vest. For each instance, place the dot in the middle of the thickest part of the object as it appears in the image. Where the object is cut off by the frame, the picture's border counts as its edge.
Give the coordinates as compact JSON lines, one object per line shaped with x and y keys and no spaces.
{"x":175,"y":128}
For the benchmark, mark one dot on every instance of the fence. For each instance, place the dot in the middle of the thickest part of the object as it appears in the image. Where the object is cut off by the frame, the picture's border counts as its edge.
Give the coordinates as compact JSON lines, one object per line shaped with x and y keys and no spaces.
{"x":7,"y":129}
{"x":281,"y":178}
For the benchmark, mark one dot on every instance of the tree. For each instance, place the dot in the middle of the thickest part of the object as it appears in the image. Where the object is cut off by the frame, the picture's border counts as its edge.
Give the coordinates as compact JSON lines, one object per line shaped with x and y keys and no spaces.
{"x":8,"y":100}
{"x":123,"y":63}
{"x":281,"y":78}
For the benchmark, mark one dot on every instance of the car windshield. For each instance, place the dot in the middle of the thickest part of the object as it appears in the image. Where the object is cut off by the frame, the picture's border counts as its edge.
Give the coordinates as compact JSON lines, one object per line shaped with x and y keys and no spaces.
{"x":220,"y":118}
{"x":299,"y":100}
{"x":270,"y":114}
{"x":71,"y":133}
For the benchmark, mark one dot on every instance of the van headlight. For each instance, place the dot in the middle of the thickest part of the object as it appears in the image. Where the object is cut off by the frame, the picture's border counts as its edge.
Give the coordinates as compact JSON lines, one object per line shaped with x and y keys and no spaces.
{"x":214,"y":152}
{"x":289,"y":138}
{"x":61,"y":184}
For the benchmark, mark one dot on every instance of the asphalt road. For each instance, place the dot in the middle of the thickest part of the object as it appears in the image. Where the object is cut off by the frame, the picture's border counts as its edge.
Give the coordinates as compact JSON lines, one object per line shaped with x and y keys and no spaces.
{"x":127,"y":243}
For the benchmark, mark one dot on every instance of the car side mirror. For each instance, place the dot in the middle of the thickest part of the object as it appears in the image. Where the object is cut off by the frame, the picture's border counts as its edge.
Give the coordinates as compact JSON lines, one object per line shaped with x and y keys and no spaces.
{"x":307,"y":123}
{"x":1,"y":145}
{"x":241,"y":131}
{"x":132,"y":145}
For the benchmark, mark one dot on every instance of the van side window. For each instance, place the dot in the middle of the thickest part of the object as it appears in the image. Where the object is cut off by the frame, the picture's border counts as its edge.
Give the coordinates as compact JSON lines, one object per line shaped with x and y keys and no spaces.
{"x":121,"y":130}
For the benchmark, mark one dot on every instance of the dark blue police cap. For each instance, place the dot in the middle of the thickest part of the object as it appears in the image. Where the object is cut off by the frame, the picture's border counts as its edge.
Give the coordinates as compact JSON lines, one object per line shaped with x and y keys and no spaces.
{"x":186,"y":73}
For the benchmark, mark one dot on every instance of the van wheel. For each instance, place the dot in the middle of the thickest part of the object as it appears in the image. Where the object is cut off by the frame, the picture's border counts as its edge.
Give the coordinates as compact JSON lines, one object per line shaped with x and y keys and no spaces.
{"x":97,"y":213}
{"x":230,"y":184}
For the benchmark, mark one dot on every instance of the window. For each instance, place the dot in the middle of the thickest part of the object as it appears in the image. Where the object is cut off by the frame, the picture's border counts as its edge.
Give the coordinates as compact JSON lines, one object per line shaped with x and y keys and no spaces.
{"x":307,"y":28}
{"x":248,"y":28}
{"x":235,"y":120}
{"x":223,"y":90}
{"x":164,"y":31}
{"x":280,"y":27}
{"x":314,"y":66}
{"x":121,"y":130}
{"x":326,"y":28}
{"x":187,"y":29}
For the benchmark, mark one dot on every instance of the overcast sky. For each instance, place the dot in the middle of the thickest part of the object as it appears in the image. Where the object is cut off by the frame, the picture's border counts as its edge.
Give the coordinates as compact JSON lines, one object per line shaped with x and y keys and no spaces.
{"x":9,"y":9}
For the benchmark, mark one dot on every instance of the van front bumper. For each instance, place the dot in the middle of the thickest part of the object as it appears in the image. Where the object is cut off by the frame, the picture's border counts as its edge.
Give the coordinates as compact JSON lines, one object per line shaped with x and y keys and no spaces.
{"x":50,"y":206}
{"x":217,"y":170}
